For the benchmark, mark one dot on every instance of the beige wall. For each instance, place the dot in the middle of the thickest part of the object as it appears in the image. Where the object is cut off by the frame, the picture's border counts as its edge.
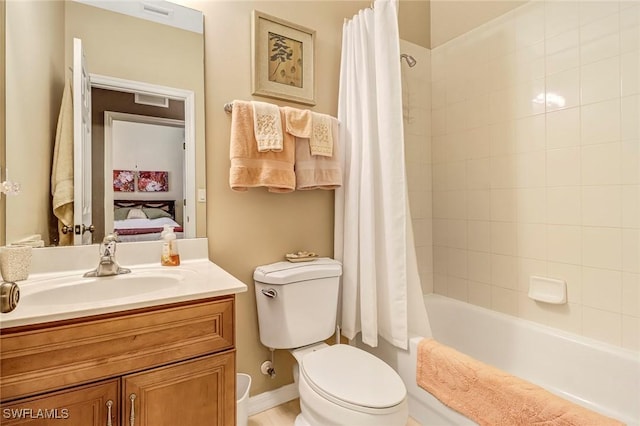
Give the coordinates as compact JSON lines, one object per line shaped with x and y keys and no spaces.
{"x":34,"y":76}
{"x":249,"y":229}
{"x":39,"y":53}
{"x":245,"y":230}
{"x":522,"y":187}
{"x":253,"y":228}
{"x":414,"y":18}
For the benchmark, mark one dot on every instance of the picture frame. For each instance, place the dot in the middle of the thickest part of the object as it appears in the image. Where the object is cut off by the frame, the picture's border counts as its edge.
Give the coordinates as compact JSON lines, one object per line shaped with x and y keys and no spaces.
{"x":124,"y":181}
{"x":282,"y":59}
{"x":153,"y":181}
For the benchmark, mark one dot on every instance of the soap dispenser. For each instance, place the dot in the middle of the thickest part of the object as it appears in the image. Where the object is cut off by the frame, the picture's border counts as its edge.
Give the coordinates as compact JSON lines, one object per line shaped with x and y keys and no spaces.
{"x":165,"y":230}
{"x":170,"y":256}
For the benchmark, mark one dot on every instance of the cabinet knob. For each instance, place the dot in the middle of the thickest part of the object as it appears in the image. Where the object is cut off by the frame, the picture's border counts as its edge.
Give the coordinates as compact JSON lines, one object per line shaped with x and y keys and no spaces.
{"x":109,"y":405}
{"x":132,"y":416}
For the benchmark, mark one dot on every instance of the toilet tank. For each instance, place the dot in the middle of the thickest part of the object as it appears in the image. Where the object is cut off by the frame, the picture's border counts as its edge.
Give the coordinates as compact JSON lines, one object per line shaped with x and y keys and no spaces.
{"x":297,"y":302}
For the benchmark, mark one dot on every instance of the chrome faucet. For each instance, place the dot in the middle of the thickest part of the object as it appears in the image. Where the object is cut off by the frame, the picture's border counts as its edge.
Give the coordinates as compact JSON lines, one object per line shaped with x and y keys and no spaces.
{"x":108,"y":266}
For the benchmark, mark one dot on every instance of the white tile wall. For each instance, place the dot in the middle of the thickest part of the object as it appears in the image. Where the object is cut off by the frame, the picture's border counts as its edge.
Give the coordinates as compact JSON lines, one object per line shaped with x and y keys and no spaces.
{"x":417,"y":96}
{"x":535,"y":120}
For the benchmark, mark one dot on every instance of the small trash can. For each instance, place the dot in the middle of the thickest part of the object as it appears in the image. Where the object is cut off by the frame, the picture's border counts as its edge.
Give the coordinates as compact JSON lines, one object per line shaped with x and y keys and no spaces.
{"x":243,"y":385}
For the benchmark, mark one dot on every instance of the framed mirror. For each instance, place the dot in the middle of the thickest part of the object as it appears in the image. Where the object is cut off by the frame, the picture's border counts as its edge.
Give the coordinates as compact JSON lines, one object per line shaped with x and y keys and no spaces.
{"x":147,"y":59}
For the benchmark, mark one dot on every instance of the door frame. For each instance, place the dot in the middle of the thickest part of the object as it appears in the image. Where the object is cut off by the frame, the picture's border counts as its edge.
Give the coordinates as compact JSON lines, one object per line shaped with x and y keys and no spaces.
{"x":109,"y":118}
{"x":186,"y":96}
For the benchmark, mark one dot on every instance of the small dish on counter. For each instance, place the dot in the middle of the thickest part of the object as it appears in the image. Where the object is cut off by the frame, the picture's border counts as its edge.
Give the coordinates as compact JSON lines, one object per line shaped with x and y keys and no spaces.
{"x":301,"y":256}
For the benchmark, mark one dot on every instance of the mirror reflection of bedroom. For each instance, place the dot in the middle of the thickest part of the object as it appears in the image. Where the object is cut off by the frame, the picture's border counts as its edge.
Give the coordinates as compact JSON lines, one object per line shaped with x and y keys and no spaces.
{"x":118,"y":52}
{"x":138,"y":165}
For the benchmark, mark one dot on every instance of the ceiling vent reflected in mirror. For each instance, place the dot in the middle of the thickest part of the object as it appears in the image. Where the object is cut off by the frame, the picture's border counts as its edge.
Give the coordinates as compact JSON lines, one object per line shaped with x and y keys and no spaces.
{"x":152,"y":100}
{"x":157,"y":10}
{"x":160,"y":11}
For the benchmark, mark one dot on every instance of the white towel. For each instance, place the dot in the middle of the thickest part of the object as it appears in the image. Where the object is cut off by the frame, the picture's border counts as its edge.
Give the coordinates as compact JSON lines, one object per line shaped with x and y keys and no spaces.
{"x":321,"y":141}
{"x":267,"y":126}
{"x":62,"y":167}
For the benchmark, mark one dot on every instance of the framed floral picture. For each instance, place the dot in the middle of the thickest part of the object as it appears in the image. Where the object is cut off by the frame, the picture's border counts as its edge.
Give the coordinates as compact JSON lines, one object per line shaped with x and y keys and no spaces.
{"x":153,"y":181}
{"x":282,"y":59}
{"x":124,"y":181}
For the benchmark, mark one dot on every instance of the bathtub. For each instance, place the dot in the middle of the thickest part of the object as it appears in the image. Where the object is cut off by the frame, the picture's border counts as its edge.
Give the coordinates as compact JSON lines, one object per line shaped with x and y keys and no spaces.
{"x":601,"y":377}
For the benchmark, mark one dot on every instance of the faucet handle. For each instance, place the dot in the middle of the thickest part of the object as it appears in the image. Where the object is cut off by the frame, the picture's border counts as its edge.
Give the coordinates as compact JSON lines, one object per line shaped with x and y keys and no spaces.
{"x":108,"y":246}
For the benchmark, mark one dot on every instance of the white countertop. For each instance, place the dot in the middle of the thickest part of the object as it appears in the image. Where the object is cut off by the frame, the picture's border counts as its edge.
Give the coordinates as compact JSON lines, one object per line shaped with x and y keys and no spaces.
{"x":195,"y":278}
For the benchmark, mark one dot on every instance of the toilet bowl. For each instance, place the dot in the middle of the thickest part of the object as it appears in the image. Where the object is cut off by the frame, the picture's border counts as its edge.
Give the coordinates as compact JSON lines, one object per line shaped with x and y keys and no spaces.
{"x":338,"y":384}
{"x":344,"y":385}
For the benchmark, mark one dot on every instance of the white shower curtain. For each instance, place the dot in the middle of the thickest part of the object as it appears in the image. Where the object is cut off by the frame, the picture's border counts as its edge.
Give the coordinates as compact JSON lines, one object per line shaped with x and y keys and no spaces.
{"x":381,"y":292}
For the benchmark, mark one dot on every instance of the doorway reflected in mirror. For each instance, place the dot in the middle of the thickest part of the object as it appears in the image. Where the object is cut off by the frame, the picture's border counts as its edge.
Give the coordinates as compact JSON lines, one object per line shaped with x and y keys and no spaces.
{"x":136,"y":145}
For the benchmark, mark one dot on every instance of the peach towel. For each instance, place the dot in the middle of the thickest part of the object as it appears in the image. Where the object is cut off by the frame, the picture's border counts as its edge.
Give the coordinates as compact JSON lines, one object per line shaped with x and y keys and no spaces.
{"x":311,"y":125}
{"x":490,"y":396}
{"x":297,"y":122}
{"x":315,"y":171}
{"x":250,"y":168}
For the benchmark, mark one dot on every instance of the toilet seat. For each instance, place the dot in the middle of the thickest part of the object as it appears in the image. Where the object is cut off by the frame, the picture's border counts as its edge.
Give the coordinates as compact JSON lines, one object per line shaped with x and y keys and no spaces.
{"x":353,"y":378}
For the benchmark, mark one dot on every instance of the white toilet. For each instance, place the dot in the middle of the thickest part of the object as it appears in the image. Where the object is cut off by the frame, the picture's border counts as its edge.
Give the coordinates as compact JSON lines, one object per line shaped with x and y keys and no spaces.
{"x":338,"y":384}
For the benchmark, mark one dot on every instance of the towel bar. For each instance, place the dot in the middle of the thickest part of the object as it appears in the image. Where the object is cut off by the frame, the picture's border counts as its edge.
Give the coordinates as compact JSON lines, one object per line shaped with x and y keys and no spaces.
{"x":228,"y":107}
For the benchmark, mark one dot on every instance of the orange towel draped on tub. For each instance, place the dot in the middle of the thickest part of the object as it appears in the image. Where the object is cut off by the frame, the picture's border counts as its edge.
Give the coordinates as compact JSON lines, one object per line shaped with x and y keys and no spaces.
{"x":492,"y":397}
{"x":251,"y":168}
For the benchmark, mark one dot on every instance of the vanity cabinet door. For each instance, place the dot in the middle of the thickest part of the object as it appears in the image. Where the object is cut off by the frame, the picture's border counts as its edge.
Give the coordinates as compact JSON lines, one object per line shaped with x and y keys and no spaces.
{"x":199,"y":392}
{"x":91,"y":405}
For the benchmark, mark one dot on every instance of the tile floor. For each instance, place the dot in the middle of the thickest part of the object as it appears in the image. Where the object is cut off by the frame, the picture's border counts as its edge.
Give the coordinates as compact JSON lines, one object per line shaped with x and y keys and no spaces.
{"x":285,"y":415}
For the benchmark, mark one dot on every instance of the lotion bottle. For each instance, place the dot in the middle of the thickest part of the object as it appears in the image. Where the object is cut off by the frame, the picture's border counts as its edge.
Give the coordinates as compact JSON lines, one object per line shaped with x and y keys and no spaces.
{"x":170,"y":256}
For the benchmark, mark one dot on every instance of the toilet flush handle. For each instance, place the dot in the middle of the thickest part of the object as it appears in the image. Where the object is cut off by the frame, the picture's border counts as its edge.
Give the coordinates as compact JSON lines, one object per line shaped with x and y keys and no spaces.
{"x":270,"y":293}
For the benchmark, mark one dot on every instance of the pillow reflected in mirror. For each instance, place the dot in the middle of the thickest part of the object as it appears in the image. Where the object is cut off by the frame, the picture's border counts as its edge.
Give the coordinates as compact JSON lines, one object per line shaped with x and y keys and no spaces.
{"x":136,"y":213}
{"x":121,"y":213}
{"x":155,"y":213}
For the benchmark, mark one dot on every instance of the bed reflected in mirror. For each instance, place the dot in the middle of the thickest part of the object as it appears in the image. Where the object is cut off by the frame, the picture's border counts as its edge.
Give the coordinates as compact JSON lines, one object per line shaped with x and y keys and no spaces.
{"x":144,"y":220}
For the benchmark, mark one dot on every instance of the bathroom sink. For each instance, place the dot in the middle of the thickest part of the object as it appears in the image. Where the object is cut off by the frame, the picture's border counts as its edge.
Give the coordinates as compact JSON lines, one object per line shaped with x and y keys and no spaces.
{"x":72,"y":291}
{"x":65,"y":295}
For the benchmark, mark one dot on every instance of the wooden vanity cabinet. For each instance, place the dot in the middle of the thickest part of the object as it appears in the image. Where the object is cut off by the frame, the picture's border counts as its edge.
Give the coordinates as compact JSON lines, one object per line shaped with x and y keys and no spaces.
{"x":79,"y":406}
{"x":161,"y":366}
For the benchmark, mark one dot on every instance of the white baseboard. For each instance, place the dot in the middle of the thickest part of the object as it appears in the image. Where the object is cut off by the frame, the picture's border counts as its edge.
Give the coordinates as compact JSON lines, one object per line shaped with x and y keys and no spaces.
{"x":270,"y":399}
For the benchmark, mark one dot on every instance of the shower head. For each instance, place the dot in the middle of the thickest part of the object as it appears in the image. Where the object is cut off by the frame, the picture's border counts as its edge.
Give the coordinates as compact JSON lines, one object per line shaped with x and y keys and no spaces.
{"x":411,"y":61}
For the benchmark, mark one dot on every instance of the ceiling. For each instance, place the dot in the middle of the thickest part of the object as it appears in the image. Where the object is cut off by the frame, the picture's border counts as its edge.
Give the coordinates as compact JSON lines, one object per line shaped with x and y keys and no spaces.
{"x":430,"y":23}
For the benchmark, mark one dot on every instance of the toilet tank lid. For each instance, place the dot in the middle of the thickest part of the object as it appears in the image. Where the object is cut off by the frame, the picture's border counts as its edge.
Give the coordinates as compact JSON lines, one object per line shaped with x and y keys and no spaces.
{"x":287,"y":272}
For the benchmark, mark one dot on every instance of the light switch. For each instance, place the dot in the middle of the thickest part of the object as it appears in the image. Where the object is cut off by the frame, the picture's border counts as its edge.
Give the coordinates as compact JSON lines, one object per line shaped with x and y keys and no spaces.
{"x":202,"y":195}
